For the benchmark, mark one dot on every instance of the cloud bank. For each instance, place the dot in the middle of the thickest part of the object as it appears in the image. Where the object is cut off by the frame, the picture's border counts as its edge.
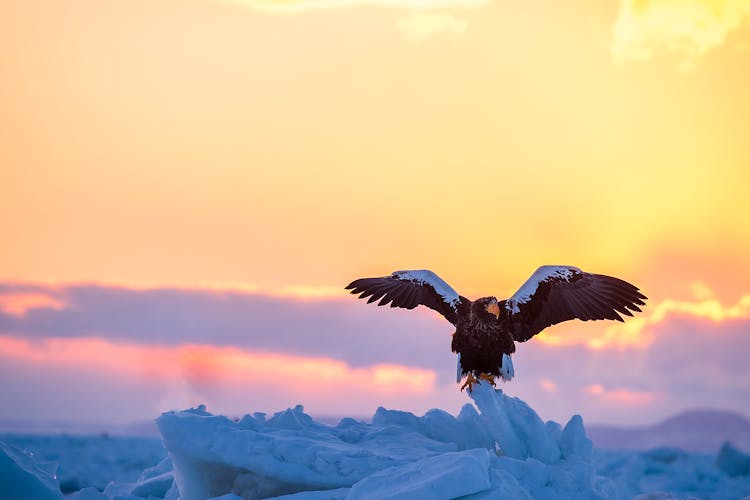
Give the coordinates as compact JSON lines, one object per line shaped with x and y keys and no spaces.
{"x":685,"y":29}
{"x":163,"y":348}
{"x":339,"y":328}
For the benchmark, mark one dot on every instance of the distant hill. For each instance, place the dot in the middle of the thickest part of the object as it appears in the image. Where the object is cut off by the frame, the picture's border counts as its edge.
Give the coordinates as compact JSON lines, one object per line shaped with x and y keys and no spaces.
{"x":694,"y":430}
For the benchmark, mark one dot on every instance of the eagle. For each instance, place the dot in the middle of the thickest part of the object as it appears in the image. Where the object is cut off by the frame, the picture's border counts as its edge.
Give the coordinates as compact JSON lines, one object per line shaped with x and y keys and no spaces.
{"x":487,"y":328}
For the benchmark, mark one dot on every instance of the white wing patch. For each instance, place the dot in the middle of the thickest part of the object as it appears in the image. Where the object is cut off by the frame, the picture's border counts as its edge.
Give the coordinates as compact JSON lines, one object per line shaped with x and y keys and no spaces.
{"x":422,"y":277}
{"x":506,"y":370}
{"x":544,"y":273}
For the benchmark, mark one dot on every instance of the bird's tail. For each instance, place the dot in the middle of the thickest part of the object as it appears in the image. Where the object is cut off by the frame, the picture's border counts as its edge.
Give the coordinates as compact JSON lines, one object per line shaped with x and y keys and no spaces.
{"x":506,"y":368}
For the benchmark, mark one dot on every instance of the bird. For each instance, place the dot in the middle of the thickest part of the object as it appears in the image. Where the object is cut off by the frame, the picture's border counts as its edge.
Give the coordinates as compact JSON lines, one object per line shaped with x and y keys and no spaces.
{"x":486,"y":329}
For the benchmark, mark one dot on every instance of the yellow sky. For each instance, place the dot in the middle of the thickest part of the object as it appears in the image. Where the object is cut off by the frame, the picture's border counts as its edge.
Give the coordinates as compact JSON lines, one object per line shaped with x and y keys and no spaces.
{"x":200,"y":142}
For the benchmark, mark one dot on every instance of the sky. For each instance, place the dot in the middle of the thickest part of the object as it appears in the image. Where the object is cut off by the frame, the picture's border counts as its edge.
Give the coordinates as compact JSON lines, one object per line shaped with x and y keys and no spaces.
{"x":187,"y":186}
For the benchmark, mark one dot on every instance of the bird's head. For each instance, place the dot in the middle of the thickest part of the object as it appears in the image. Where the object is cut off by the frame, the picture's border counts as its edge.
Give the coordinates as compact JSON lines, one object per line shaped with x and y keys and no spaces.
{"x":487,"y":306}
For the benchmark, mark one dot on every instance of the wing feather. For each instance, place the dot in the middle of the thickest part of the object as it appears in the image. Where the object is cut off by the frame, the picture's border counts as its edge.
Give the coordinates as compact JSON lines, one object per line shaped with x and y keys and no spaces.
{"x":554,"y":294}
{"x":408,"y":289}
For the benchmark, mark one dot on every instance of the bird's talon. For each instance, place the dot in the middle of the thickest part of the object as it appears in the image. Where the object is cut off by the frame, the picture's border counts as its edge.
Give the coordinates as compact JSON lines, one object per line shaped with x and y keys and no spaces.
{"x":470,"y":380}
{"x":488,"y":377}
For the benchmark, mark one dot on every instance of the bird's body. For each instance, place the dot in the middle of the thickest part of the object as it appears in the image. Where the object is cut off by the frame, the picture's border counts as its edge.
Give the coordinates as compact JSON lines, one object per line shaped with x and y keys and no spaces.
{"x":487,"y":329}
{"x":481,"y":340}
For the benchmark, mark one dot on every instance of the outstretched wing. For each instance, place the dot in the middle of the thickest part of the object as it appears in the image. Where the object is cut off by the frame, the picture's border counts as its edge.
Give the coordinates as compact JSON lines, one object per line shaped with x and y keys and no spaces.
{"x":559,"y":293}
{"x":409,"y":289}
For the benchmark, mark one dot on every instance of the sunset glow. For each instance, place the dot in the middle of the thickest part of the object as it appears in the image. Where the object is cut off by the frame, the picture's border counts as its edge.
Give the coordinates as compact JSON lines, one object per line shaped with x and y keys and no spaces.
{"x":687,"y":29}
{"x":201,"y":363}
{"x":637,"y":331}
{"x":200,"y":371}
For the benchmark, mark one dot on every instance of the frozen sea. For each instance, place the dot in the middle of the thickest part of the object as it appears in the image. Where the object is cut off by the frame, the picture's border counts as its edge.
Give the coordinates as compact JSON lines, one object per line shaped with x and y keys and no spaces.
{"x":496,"y":448}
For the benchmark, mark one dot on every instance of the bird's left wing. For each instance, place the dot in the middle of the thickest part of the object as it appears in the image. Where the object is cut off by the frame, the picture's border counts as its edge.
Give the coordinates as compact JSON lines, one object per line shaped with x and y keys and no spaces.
{"x":559,"y":293}
{"x":408,"y":289}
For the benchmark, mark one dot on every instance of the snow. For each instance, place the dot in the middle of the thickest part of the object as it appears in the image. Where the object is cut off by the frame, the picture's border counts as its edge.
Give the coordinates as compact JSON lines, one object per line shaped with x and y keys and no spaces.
{"x":528,"y":289}
{"x":497,"y":447}
{"x":424,"y":276}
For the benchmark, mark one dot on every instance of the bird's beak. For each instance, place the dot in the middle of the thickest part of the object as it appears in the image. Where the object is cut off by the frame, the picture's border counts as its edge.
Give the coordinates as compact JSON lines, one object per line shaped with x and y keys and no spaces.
{"x":493,"y":309}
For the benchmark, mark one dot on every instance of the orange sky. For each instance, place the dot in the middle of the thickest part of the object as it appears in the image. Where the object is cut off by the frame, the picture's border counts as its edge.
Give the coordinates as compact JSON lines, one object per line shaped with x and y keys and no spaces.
{"x":198,"y":142}
{"x":291,"y":146}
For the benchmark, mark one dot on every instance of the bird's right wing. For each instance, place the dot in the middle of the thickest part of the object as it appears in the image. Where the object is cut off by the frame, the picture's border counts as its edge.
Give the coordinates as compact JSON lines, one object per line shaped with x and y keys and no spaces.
{"x":408,"y":289}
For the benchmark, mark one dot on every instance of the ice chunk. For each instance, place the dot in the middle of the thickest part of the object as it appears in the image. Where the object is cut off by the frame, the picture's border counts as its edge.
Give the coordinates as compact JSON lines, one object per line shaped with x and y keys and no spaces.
{"x":89,"y":493}
{"x":664,"y":455}
{"x":22,"y":477}
{"x":212,"y":455}
{"x":153,"y":482}
{"x":554,"y":430}
{"x":337,"y":494}
{"x":503,"y":485}
{"x":156,"y":486}
{"x":573,"y":440}
{"x":504,"y":450}
{"x":446,"y":476}
{"x":516,"y":428}
{"x":466,"y":431}
{"x":91,"y":460}
{"x":732,"y":461}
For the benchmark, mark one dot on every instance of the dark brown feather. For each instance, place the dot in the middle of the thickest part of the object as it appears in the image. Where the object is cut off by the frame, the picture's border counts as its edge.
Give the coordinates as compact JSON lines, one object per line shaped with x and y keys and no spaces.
{"x":581,"y":295}
{"x":402,"y":293}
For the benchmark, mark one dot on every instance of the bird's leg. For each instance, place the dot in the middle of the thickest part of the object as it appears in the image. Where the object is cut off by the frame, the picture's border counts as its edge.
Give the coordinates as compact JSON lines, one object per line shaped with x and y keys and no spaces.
{"x":470,"y":379}
{"x":488,"y":377}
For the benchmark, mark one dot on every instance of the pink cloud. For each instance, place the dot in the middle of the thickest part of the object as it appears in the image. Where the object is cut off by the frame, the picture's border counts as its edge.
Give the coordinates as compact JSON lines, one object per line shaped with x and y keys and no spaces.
{"x":19,"y":303}
{"x":224,"y":377}
{"x":621,"y":396}
{"x":547,"y":385}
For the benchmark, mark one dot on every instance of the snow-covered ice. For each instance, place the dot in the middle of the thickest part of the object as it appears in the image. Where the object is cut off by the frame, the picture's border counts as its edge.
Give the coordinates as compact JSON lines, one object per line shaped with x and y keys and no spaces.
{"x":496,"y":448}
